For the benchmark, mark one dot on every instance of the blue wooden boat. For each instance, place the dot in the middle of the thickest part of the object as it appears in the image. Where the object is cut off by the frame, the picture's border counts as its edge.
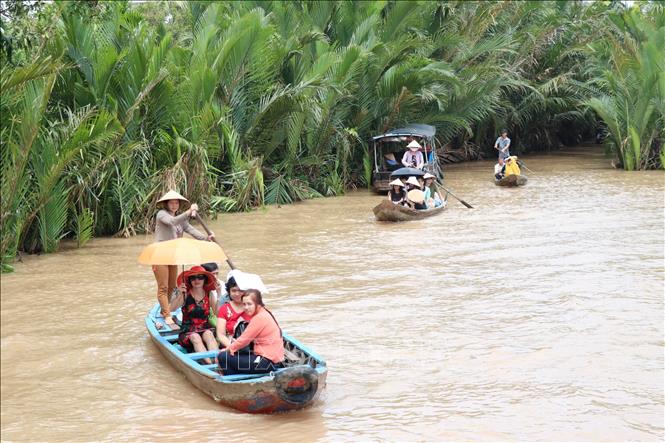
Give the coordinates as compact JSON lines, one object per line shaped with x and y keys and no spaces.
{"x":294,"y":387}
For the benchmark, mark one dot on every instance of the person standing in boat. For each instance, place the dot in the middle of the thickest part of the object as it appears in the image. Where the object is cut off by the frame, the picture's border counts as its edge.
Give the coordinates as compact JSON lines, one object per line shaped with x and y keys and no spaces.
{"x":503,"y":144}
{"x":266,"y":335}
{"x":170,"y":225}
{"x":230,"y":313}
{"x":196,"y":332}
{"x":413,"y":158}
{"x":397,"y":193}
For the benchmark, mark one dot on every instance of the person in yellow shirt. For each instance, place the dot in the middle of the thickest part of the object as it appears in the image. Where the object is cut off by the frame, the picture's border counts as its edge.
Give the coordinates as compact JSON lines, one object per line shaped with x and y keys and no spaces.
{"x":512,"y":168}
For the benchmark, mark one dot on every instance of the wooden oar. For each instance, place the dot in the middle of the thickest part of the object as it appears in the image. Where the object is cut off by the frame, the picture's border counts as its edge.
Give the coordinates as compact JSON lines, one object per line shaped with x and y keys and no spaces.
{"x":228,"y":260}
{"x":522,"y":165}
{"x":459,"y":199}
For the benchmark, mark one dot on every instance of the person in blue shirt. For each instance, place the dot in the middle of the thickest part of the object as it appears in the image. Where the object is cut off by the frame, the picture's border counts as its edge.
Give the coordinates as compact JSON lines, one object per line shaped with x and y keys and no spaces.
{"x":502,"y":144}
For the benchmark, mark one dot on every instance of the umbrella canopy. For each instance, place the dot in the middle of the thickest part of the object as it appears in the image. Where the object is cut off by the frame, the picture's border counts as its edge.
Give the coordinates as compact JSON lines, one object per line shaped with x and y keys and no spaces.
{"x":407,"y":172}
{"x":181,"y":251}
{"x":414,"y":129}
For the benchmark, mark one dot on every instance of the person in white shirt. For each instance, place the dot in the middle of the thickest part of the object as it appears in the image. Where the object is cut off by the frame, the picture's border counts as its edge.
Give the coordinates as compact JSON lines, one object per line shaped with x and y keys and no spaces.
{"x":413,"y":158}
{"x":499,"y":169}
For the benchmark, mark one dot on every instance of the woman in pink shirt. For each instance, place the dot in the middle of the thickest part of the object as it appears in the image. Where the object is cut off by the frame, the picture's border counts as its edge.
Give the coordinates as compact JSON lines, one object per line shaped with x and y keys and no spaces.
{"x":264,"y":332}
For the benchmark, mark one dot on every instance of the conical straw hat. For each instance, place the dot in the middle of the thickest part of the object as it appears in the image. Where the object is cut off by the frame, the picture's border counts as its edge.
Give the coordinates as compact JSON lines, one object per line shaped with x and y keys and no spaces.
{"x":172,"y":195}
{"x":414,"y":181}
{"x":414,"y":145}
{"x":416,"y":195}
{"x":396,"y":182}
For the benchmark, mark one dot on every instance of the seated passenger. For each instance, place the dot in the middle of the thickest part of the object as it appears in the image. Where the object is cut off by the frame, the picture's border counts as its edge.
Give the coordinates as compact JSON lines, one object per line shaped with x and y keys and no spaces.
{"x":499,"y":169}
{"x":391,"y":163}
{"x":512,"y":168}
{"x":230,"y":313}
{"x":397,"y":193}
{"x":432,"y":197}
{"x":413,"y":158}
{"x":266,"y":335}
{"x":196,"y":332}
{"x":413,"y":184}
{"x":216,"y":294}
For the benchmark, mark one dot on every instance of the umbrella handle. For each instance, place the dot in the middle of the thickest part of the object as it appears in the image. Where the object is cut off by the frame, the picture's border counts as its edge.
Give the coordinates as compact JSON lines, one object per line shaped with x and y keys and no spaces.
{"x":209,"y":232}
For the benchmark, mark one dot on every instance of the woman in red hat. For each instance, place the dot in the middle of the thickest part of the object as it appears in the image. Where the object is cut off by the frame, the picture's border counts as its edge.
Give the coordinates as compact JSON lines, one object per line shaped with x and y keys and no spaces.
{"x":196,"y":333}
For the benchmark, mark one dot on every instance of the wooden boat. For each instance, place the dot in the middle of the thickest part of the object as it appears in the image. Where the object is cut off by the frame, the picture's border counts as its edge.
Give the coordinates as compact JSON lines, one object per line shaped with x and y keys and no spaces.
{"x":294,"y":387}
{"x":388,"y":211}
{"x":512,"y":180}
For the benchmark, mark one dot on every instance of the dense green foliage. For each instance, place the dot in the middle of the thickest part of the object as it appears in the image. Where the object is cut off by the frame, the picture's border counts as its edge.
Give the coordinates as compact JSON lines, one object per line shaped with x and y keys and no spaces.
{"x":238,"y":104}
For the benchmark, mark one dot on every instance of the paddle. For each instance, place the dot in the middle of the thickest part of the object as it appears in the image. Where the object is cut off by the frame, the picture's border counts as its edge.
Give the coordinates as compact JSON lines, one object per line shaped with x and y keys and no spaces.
{"x":209,"y":232}
{"x":449,"y":192}
{"x":522,"y":165}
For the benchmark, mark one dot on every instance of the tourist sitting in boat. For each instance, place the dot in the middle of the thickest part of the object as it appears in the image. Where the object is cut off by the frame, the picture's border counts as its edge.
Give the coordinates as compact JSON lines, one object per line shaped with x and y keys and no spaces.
{"x":266,"y":336}
{"x":413,"y":158}
{"x":217,"y":298}
{"x":397,"y":193}
{"x":196,"y":332}
{"x":230,"y":313}
{"x":499,"y":169}
{"x":432,"y":197}
{"x":512,"y":168}
{"x":412,"y":184}
{"x":391,"y":162}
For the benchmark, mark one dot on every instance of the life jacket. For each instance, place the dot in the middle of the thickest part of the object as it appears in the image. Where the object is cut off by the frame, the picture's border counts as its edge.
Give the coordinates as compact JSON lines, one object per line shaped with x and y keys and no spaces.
{"x":512,"y":168}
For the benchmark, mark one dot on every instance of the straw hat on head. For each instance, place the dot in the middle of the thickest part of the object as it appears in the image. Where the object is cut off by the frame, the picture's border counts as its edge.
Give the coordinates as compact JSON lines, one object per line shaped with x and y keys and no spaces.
{"x":413,"y":181}
{"x":416,"y":196}
{"x":172,"y":195}
{"x":428,"y":175}
{"x":396,"y":182}
{"x":414,"y":145}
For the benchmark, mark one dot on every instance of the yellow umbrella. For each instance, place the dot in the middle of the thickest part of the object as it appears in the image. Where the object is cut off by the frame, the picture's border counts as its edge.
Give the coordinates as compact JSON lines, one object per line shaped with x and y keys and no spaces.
{"x":182,"y":251}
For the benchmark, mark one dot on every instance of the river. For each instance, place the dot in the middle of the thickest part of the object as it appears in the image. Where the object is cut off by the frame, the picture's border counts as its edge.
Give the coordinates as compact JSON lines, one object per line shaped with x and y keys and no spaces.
{"x":538,"y":315}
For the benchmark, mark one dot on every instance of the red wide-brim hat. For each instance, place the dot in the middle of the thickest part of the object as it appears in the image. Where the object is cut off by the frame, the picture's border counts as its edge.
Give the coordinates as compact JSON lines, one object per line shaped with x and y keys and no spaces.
{"x":197,"y":270}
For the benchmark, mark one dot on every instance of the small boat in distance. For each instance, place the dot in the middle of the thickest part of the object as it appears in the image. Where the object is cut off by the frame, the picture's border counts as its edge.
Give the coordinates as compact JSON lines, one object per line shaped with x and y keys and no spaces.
{"x":294,"y":387}
{"x":389,"y":211}
{"x":512,"y":180}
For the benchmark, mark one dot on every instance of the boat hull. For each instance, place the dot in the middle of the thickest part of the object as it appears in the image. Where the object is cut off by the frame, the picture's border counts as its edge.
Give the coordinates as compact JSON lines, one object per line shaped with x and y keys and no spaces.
{"x":294,"y":387}
{"x":512,"y":180}
{"x":390,"y":212}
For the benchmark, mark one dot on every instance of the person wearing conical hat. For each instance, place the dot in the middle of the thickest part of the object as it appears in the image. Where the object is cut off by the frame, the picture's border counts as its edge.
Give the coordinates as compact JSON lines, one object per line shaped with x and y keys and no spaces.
{"x":413,"y":158}
{"x":432,"y":197}
{"x":170,"y":225}
{"x":412,"y":184}
{"x":397,"y":193}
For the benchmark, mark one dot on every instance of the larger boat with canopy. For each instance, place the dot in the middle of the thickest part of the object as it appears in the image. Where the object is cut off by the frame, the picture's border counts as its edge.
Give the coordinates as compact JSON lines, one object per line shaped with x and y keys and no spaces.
{"x":388,"y":149}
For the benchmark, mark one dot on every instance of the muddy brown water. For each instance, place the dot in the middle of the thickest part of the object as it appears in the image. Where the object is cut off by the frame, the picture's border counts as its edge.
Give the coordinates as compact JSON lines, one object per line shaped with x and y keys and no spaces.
{"x":538,"y":315}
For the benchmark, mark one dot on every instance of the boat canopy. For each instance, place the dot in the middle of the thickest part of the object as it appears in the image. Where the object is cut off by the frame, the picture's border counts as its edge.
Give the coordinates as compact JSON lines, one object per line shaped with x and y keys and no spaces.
{"x":415,"y":129}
